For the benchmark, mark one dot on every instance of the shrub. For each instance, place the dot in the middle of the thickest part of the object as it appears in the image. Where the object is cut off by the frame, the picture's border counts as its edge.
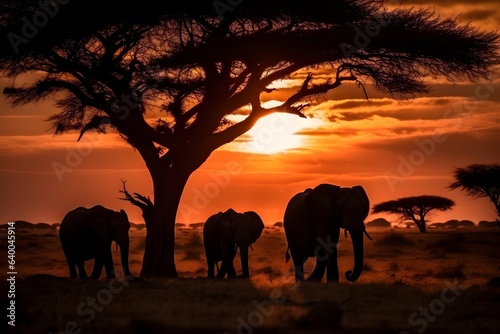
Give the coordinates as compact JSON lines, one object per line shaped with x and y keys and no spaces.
{"x":393,"y":239}
{"x":192,"y":254}
{"x":452,"y":243}
{"x":194,"y":240}
{"x":451,"y":272}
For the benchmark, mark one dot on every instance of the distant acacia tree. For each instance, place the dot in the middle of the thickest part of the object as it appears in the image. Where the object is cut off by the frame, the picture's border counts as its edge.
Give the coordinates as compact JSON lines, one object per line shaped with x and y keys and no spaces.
{"x":167,"y":74}
{"x":415,"y":208}
{"x":480,"y":180}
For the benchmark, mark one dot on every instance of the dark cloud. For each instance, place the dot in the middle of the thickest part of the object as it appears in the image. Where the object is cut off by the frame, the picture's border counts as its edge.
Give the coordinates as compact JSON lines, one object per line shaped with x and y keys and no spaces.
{"x":356,"y":116}
{"x":342,"y":132}
{"x":361,"y":103}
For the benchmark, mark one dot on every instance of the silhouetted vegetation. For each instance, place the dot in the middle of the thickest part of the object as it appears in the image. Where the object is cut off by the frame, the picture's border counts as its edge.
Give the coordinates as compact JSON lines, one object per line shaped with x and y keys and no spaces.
{"x":480,"y":180}
{"x":454,"y":223}
{"x":393,"y":239}
{"x":196,"y":226}
{"x":24,"y":225}
{"x":451,"y":272}
{"x":378,"y":222}
{"x":487,"y":224}
{"x":414,"y":208}
{"x":452,"y":243}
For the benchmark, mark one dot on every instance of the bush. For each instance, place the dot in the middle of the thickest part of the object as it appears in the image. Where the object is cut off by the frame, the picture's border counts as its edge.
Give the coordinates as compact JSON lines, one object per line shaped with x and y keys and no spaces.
{"x":452,"y":243}
{"x":378,"y":222}
{"x":393,"y":239}
{"x":194,"y":240}
{"x":192,"y":254}
{"x":451,"y":272}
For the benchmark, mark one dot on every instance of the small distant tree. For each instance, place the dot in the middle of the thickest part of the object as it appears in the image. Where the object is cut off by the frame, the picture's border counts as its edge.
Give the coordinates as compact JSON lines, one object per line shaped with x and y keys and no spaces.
{"x":414,"y":208}
{"x":480,"y":180}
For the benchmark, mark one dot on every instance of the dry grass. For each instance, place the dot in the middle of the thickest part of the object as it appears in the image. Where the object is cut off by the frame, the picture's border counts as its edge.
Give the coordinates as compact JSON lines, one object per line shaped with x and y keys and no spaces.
{"x":451,"y":272}
{"x":395,"y":239}
{"x":194,"y":240}
{"x":399,"y":277}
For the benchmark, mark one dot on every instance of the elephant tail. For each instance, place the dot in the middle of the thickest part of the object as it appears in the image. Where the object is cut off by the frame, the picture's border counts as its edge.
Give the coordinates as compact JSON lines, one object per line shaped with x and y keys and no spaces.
{"x":287,"y":254}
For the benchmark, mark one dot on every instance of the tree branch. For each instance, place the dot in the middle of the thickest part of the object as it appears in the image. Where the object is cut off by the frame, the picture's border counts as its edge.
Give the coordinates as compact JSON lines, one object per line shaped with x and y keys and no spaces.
{"x":143,"y":202}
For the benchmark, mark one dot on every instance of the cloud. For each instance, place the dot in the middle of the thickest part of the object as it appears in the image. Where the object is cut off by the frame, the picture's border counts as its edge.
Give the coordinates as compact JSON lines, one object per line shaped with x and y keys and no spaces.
{"x":21,"y":145}
{"x":355,"y":104}
{"x":479,"y":14}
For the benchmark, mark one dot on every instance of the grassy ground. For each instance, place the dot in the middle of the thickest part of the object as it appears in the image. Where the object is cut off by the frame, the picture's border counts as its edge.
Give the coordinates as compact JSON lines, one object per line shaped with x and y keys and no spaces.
{"x":412,"y":282}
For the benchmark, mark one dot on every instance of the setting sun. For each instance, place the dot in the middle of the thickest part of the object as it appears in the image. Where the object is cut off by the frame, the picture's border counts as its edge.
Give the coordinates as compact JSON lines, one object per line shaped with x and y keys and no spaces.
{"x":275,"y":133}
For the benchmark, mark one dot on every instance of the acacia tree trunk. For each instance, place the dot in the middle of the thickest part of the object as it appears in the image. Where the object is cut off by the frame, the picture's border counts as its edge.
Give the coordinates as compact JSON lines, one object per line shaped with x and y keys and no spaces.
{"x":421,"y":225}
{"x":158,"y":258}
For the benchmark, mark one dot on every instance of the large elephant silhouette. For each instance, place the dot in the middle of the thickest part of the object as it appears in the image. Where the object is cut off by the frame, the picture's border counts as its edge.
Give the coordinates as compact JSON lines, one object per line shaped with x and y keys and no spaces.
{"x":312,"y":224}
{"x":223,"y":234}
{"x":87,"y":233}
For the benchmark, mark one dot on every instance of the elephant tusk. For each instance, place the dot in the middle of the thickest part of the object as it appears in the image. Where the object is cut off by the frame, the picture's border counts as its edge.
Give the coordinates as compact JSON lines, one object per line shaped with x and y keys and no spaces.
{"x":345,"y":233}
{"x":367,"y":235}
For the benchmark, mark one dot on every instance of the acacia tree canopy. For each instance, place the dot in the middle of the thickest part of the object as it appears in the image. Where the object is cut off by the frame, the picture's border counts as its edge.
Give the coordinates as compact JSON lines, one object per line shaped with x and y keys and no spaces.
{"x":414,"y":208}
{"x":479,"y":180}
{"x":166,"y":75}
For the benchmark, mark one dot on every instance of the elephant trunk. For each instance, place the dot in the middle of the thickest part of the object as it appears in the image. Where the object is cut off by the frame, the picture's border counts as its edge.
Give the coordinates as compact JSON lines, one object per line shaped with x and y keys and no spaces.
{"x":358,"y":249}
{"x":244,"y":261}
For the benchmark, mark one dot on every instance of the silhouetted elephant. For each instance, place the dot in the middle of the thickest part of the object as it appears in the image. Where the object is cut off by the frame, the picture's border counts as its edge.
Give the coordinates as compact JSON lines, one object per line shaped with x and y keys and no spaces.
{"x":312,"y":223}
{"x":223,"y":233}
{"x":87,"y":234}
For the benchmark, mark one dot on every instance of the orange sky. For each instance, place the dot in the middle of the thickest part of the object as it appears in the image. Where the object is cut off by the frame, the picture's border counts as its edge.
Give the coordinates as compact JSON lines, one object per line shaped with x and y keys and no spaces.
{"x":392,"y":148}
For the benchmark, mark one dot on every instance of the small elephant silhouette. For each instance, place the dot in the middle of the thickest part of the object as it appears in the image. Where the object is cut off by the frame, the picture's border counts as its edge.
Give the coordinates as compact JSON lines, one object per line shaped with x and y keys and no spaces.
{"x":223,"y":233}
{"x":87,"y":233}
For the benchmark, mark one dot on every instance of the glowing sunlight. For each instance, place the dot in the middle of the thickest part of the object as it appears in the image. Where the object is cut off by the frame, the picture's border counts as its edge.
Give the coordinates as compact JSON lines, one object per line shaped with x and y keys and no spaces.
{"x":275,"y":133}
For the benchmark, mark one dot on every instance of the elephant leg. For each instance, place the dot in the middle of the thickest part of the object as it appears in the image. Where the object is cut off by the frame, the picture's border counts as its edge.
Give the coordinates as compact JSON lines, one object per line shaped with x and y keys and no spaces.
{"x":211,"y":265}
{"x":70,"y":259}
{"x":81,"y":269}
{"x":318,"y":271}
{"x":299,"y":269}
{"x":71,"y":266}
{"x":222,"y":271}
{"x":326,"y":250}
{"x":72,"y":269}
{"x":332,"y":268}
{"x":108,"y":263}
{"x":228,"y":253}
{"x":210,"y":261}
{"x":231,"y":272}
{"x":98,"y":264}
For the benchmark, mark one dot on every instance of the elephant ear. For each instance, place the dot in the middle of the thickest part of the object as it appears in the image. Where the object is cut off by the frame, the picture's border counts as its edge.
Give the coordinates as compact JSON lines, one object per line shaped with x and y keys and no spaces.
{"x":365,"y":200}
{"x":321,"y":196}
{"x":256,"y":225}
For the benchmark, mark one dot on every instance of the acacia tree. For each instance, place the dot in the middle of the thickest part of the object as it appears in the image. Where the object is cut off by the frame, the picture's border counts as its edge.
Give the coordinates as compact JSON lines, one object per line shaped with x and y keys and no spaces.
{"x":480,"y":180}
{"x":414,"y":208}
{"x":166,"y":76}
